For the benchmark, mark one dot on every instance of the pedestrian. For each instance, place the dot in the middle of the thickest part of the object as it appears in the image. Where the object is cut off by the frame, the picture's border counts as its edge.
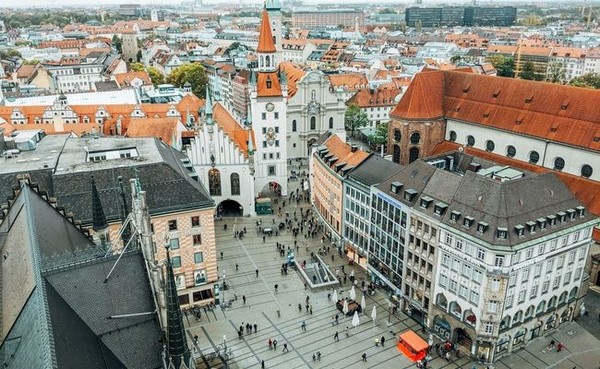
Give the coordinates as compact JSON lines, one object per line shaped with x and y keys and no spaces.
{"x":263,"y":239}
{"x":276,"y":288}
{"x":559,"y":347}
{"x":240,"y":335}
{"x":256,"y":273}
{"x":244,"y":298}
{"x":299,"y":308}
{"x":303,"y":325}
{"x":270,"y":344}
{"x":255,"y":327}
{"x":236,"y":267}
{"x":221,"y":255}
{"x":314,"y":357}
{"x":319,"y":355}
{"x":347,"y":331}
{"x":310,"y":309}
{"x":285,"y":349}
{"x":274,"y":344}
{"x":337,"y":316}
{"x":307,"y":306}
{"x":364,"y":357}
{"x":262,"y":364}
{"x":447,"y":356}
{"x":336,"y":336}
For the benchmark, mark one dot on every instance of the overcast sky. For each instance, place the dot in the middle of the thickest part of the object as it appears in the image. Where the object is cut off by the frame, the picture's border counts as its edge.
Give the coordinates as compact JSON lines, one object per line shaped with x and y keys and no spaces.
{"x":57,"y":3}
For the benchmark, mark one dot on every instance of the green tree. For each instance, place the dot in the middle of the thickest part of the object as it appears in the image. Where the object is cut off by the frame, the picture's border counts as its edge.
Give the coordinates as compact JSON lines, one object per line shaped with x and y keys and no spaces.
{"x":6,"y":54}
{"x":31,"y":62}
{"x":455,"y":59}
{"x":556,"y":72}
{"x":355,"y":118}
{"x":379,"y":137}
{"x":232,"y":47}
{"x":589,"y":80}
{"x":117,"y":43}
{"x":388,"y":11}
{"x":504,"y":65}
{"x":136,"y":67}
{"x":156,"y":76}
{"x":193,"y":73}
{"x":528,"y":72}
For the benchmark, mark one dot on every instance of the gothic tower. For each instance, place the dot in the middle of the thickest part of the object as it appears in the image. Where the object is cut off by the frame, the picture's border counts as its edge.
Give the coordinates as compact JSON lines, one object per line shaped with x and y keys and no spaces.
{"x":274,"y":9}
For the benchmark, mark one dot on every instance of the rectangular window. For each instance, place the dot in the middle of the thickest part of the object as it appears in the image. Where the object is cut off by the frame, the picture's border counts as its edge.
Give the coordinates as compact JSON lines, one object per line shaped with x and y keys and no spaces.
{"x":448,"y":239}
{"x":480,"y":253}
{"x":477,"y":276}
{"x":529,"y":253}
{"x":453,"y":285}
{"x":198,"y":257}
{"x":512,"y":280}
{"x":499,"y":260}
{"x":196,"y":221}
{"x":459,"y":244}
{"x":446,"y":259}
{"x":549,"y":265}
{"x":571,"y":257}
{"x":456,"y":264}
{"x":172,"y":225}
{"x":545,"y":285}
{"x":534,"y":290}
{"x":522,"y":295}
{"x":276,"y":115}
{"x":565,"y":240}
{"x":509,"y":301}
{"x":197,"y":239}
{"x":264,"y":144}
{"x":466,"y":270}
{"x":537,"y":271}
{"x":264,"y":130}
{"x":174,"y":243}
{"x":495,"y":285}
{"x":525,"y":275}
{"x":271,"y":170}
{"x":176,"y":261}
{"x":475,"y":297}
{"x":492,"y":306}
{"x":464,"y":292}
{"x":553,"y":245}
{"x":489,"y":327}
{"x":443,"y":280}
{"x":263,"y":116}
{"x":556,"y":282}
{"x":542,"y":249}
{"x":516,"y":257}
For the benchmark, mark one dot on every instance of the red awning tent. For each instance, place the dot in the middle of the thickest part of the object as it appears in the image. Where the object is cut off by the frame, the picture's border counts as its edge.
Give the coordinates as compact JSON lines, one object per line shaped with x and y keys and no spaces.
{"x":412,"y":346}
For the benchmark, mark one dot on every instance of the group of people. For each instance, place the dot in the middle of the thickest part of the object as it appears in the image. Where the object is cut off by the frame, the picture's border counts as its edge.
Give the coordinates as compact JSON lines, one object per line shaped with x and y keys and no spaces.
{"x":248,"y":328}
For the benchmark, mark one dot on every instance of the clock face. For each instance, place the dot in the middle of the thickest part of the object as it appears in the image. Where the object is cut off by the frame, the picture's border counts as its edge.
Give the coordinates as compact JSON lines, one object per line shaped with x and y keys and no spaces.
{"x":270,"y":107}
{"x":274,"y":23}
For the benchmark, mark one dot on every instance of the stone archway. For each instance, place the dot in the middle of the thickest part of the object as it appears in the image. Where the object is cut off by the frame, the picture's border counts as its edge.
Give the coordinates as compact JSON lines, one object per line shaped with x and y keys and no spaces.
{"x":230,"y":208}
{"x":271,"y":189}
{"x":462,"y":338}
{"x":309,"y":144}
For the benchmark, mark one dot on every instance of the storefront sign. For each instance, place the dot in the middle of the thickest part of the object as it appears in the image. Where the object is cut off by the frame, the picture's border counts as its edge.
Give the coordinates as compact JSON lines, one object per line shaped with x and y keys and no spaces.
{"x":441,"y":327}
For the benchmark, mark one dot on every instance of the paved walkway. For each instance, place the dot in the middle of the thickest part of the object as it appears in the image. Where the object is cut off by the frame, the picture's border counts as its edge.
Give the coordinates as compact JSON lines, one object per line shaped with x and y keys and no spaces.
{"x":262,"y":304}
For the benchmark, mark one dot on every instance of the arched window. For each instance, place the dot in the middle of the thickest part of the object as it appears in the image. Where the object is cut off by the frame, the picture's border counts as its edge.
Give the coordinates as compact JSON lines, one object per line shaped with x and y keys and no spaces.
{"x":573,"y":293}
{"x":470,"y":317}
{"x":413,"y":154}
{"x":313,"y":123}
{"x":586,"y":171}
{"x":415,"y":138}
{"x":294,"y":125}
{"x":313,"y":95}
{"x":268,"y":61}
{"x":490,"y":145}
{"x":552,"y":303}
{"x":456,"y":309}
{"x":534,"y":157}
{"x":441,"y":301}
{"x":559,"y":163}
{"x":396,"y":154}
{"x":470,"y":140}
{"x":505,"y":323}
{"x":452,"y":136}
{"x":397,"y":135}
{"x":330,"y":122}
{"x":511,"y":151}
{"x":540,"y":308}
{"x":518,"y":317}
{"x":214,"y":182}
{"x":235,"y":184}
{"x":262,"y":60}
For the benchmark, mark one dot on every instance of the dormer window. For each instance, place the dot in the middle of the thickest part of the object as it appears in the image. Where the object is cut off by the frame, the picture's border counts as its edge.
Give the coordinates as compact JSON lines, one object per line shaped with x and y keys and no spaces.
{"x":269,"y":83}
{"x":531,"y":226}
{"x":520,"y":229}
{"x":396,"y":187}
{"x":425,"y":201}
{"x":541,"y":223}
{"x":468,"y":222}
{"x":502,"y":233}
{"x":440,"y":208}
{"x":409,"y":194}
{"x":571,"y":213}
{"x":454,"y":215}
{"x":551,"y":219}
{"x":580,"y":211}
{"x":482,"y":227}
{"x":562,"y":216}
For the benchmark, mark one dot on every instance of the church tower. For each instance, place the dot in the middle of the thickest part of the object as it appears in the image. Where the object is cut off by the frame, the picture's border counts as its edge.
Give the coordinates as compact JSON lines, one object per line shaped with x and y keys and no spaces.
{"x":274,"y":9}
{"x":268,"y":98}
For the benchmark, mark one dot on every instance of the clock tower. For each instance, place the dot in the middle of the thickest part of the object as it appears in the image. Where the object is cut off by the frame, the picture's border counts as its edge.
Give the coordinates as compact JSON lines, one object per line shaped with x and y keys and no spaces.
{"x":274,"y":9}
{"x":268,"y":99}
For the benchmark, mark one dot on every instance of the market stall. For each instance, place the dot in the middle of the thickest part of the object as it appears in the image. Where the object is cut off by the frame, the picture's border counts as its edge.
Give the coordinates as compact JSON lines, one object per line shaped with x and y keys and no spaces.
{"x":412,"y":346}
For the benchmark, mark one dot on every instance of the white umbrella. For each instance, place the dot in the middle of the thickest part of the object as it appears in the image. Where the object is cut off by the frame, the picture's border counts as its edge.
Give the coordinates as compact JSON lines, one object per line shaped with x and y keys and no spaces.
{"x":345,"y":308}
{"x":374,"y":314}
{"x":334,"y":297}
{"x":355,"y":319}
{"x":363,"y":303}
{"x":352,"y":293}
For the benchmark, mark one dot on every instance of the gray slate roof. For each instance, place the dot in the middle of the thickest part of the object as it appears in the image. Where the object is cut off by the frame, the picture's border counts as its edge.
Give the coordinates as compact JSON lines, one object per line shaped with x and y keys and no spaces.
{"x":373,"y":170}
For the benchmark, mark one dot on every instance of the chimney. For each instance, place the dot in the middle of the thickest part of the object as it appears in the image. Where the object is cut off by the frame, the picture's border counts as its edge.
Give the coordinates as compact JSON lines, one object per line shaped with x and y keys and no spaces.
{"x":353,"y":148}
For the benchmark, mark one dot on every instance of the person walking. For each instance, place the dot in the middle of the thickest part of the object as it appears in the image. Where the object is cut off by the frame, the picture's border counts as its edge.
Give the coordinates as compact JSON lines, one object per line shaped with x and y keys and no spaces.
{"x":364,"y":357}
{"x":236,"y":267}
{"x":255,"y":327}
{"x":336,"y":336}
{"x":244,"y":299}
{"x":221,"y":255}
{"x":256,"y":273}
{"x":270,"y":344}
{"x":274,"y":344}
{"x":262,"y":364}
{"x":303,"y":325}
{"x":382,"y":340}
{"x":299,"y":308}
{"x":276,"y":286}
{"x":285,"y":349}
{"x":337,"y":316}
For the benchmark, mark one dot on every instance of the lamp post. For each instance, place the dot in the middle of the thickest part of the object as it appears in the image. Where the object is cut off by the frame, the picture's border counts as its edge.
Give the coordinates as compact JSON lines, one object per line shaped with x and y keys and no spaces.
{"x":389,"y":322}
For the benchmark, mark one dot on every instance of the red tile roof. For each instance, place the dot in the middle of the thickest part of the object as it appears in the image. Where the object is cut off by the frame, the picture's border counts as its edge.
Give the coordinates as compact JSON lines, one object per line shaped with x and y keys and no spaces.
{"x":163,"y":128}
{"x":343,"y":152}
{"x":238,"y":134}
{"x":382,"y":96}
{"x":124,"y":79}
{"x":267,"y":84}
{"x":265,"y":38}
{"x":293,"y":74}
{"x":566,"y":114}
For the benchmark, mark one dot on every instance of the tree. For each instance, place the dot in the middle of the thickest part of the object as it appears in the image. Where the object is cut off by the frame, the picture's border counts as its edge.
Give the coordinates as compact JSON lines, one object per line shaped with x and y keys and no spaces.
{"x":156,"y":76}
{"x":504,"y":65}
{"x":589,"y":80}
{"x":455,"y":59}
{"x":556,"y":72}
{"x":136,"y":67}
{"x":193,"y":73}
{"x":31,"y":62}
{"x":7,"y":54}
{"x":528,"y":72}
{"x":379,"y":137}
{"x":388,"y":11}
{"x":355,"y":118}
{"x":232,"y":47}
{"x":117,"y":43}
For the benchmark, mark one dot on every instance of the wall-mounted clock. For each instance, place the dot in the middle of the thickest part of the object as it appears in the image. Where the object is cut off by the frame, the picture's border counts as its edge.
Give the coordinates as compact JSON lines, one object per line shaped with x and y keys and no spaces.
{"x":270,"y":107}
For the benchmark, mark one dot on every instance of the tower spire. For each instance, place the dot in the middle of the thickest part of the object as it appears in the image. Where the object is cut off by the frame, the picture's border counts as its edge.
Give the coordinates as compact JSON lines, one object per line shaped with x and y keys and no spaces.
{"x":125,"y":210}
{"x":208,"y":107}
{"x":265,"y":38}
{"x":179,"y":356}
{"x":99,"y":223}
